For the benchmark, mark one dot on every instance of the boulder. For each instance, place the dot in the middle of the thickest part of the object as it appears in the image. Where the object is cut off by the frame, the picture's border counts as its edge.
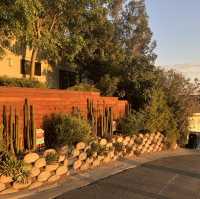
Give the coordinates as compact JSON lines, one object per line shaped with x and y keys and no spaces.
{"x":35,"y":185}
{"x":34,"y":172}
{"x":49,"y":151}
{"x":61,"y":158}
{"x":5,"y":179}
{"x":109,"y":145}
{"x":66,"y":162}
{"x":80,"y":146}
{"x":84,"y":167}
{"x":89,"y":161}
{"x":70,"y":161}
{"x":75,"y":153}
{"x":31,"y":158}
{"x":44,"y":176}
{"x":96,"y":163}
{"x":52,"y":167}
{"x":94,"y":155}
{"x":20,"y":185}
{"x":77,"y":164}
{"x":2,"y":186}
{"x":54,"y":178}
{"x":120,"y":139}
{"x":63,"y":150}
{"x":103,"y":142}
{"x":61,"y":170}
{"x":100,"y":157}
{"x":106,"y":159}
{"x":8,"y":191}
{"x":41,"y":162}
{"x":83,"y":156}
{"x":127,"y":138}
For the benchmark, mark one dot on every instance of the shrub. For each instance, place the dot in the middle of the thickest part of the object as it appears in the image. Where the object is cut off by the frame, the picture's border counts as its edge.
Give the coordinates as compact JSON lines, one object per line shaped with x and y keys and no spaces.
{"x":84,"y":87}
{"x":108,"y":85}
{"x":133,"y":123}
{"x":13,"y":168}
{"x":160,"y":118}
{"x":52,"y":158}
{"x":118,"y":146}
{"x":21,"y":82}
{"x":63,"y":129}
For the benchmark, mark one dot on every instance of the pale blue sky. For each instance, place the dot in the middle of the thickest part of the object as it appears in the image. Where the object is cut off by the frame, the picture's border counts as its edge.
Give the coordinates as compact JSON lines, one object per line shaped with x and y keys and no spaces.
{"x":176,"y":28}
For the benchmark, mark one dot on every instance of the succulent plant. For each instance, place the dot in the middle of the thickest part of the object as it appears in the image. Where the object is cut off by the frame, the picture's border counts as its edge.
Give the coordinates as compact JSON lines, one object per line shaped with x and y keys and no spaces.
{"x":13,"y":168}
{"x":51,"y":158}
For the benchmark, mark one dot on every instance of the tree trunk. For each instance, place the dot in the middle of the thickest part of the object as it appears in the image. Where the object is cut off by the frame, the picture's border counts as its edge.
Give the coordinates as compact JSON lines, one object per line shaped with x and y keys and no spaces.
{"x":33,"y":59}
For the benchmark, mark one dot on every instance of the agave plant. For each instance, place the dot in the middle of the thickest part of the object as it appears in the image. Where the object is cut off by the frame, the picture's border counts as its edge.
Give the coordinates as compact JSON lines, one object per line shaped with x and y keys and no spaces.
{"x":13,"y":168}
{"x":51,"y":158}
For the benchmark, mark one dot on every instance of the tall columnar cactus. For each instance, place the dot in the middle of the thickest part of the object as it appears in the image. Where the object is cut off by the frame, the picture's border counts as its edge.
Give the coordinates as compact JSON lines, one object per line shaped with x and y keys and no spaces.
{"x":26,"y":125}
{"x":11,"y":131}
{"x":32,"y":127}
{"x":2,"y":144}
{"x":91,"y":115}
{"x":5,"y":128}
{"x":29,"y":127}
{"x":17,"y":134}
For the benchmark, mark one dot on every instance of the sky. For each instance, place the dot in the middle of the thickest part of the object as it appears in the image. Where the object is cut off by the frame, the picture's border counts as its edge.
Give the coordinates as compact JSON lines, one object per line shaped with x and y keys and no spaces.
{"x":176,"y":28}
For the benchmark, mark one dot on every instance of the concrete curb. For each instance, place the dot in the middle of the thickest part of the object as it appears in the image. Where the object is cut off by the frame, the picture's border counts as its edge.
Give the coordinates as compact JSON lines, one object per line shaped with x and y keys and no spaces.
{"x":83,"y":179}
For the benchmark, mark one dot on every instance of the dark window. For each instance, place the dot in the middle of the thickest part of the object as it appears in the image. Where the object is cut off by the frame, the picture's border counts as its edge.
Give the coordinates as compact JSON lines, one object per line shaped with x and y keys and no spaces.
{"x":25,"y":67}
{"x":38,"y":68}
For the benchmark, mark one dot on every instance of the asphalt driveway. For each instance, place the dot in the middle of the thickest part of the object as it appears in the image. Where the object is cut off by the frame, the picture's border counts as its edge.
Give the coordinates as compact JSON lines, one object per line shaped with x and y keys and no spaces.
{"x":167,"y":178}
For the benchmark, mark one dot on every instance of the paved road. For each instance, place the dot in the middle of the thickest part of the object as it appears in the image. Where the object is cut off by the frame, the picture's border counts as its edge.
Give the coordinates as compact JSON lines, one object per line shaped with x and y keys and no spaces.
{"x":168,"y":178}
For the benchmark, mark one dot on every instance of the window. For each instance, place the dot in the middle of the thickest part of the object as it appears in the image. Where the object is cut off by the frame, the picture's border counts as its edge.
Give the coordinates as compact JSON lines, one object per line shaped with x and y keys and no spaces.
{"x":38,"y":68}
{"x":25,"y":67}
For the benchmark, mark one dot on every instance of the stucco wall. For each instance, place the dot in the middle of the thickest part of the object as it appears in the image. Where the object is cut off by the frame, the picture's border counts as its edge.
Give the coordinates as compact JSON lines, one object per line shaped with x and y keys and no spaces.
{"x":194,"y":122}
{"x":10,"y":67}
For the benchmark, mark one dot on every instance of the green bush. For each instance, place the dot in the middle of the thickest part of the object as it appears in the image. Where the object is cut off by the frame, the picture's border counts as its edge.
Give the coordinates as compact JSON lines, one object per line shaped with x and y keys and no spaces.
{"x":52,"y":158}
{"x":133,"y":123}
{"x":160,"y":117}
{"x":84,"y":87}
{"x":108,"y":85}
{"x":21,"y":82}
{"x":13,"y":168}
{"x":63,"y":129}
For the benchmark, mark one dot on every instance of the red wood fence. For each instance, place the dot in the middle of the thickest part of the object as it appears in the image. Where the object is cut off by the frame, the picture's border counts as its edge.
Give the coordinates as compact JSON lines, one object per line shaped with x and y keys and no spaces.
{"x":47,"y":101}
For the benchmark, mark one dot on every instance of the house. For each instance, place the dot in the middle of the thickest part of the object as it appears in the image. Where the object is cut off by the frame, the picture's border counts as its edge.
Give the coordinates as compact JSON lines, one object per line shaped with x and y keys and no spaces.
{"x":18,"y":65}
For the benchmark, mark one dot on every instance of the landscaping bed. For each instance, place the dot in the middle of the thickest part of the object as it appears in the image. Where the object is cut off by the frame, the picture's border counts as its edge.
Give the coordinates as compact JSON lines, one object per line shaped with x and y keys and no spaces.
{"x":50,"y":165}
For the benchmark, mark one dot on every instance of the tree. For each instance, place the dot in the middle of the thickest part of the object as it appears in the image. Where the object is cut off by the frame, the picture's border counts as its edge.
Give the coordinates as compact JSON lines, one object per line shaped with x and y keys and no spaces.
{"x":47,"y":28}
{"x":137,"y":82}
{"x":181,"y":98}
{"x":10,"y":22}
{"x":160,"y":117}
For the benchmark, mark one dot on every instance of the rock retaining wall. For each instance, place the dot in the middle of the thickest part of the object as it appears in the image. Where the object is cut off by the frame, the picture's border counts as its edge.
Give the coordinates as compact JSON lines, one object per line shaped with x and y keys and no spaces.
{"x":80,"y":158}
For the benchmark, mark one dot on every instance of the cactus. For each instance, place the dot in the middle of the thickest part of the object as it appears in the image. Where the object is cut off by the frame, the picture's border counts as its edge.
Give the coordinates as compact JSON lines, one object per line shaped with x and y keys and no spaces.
{"x":2,"y":144}
{"x":32,"y":129}
{"x":14,"y":140}
{"x":100,"y":120}
{"x":11,"y":132}
{"x":29,"y":127}
{"x":5,"y":128}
